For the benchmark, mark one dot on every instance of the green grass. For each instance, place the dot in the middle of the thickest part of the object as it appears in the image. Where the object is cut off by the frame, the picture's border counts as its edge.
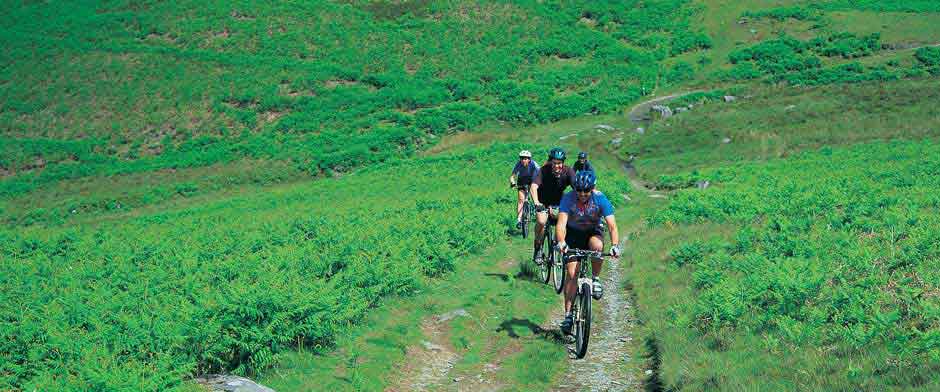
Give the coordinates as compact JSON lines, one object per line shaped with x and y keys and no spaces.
{"x":159,"y":222}
{"x":769,"y":122}
{"x":822,"y":263}
{"x":129,"y":87}
{"x":503,"y":304}
{"x":228,"y":284}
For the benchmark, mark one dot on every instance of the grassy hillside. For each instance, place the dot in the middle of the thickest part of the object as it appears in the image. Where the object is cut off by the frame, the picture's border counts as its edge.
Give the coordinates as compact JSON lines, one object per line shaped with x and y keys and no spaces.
{"x":824,"y":262}
{"x":767,"y":122}
{"x":230,"y":283}
{"x":127,"y":87}
{"x":191,"y":187}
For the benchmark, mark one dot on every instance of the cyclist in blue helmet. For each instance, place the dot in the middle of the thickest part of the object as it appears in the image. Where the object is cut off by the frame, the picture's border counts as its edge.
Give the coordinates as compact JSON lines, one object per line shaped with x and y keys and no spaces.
{"x":579,"y":217}
{"x":582,"y":164}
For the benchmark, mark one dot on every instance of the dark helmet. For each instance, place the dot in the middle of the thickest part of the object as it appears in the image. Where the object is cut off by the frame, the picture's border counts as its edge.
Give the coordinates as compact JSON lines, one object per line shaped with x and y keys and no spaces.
{"x":582,"y":155}
{"x":557,"y":153}
{"x":584,"y":180}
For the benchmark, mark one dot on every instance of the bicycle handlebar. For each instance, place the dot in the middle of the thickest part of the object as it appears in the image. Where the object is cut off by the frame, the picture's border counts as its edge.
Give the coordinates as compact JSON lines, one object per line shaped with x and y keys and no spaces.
{"x":543,"y":208}
{"x":586,"y":253}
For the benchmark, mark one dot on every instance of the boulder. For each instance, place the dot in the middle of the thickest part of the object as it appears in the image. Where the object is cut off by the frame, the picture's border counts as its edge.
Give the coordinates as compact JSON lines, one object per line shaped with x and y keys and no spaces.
{"x":664,"y":111}
{"x":605,"y":127}
{"x":730,"y":98}
{"x":229,"y":383}
{"x":452,"y":315}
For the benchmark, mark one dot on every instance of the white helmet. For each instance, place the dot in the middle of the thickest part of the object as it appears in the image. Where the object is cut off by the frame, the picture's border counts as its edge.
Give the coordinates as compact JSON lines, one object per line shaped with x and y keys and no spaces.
{"x":525,"y":153}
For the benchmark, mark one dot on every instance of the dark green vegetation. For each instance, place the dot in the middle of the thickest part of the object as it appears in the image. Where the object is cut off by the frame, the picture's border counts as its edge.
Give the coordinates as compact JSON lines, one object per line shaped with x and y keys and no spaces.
{"x":127,"y":87}
{"x":505,"y":309}
{"x":825,"y":262}
{"x":157,"y":225}
{"x":229,"y":284}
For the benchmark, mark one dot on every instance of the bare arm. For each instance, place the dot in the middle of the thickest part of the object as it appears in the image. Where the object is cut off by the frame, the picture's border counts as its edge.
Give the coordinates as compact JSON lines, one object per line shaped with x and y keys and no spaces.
{"x":614,"y":234}
{"x":561,"y":227}
{"x":534,"y":190}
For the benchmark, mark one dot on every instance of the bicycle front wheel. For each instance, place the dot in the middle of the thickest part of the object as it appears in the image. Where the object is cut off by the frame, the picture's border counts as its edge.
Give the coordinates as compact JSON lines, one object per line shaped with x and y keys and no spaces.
{"x":558,"y":272}
{"x":583,"y":321}
{"x":525,"y":220}
{"x":547,"y":247}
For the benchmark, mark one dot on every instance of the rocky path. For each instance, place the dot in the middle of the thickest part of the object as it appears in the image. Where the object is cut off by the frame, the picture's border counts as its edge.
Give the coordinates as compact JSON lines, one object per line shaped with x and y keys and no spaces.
{"x":604,"y":367}
{"x":641,"y":112}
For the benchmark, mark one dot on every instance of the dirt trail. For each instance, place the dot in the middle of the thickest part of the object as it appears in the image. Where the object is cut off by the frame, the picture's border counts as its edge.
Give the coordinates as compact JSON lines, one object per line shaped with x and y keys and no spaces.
{"x":604,"y":367}
{"x":429,"y":362}
{"x":641,"y":112}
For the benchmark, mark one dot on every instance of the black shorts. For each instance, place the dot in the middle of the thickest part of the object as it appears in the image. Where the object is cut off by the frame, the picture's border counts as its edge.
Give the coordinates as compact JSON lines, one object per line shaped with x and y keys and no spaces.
{"x":578,"y":239}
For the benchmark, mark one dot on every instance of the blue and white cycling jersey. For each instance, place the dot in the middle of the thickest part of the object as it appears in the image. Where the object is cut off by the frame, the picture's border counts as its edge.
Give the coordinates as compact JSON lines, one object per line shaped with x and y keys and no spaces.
{"x":525,"y":174}
{"x":589,"y":215}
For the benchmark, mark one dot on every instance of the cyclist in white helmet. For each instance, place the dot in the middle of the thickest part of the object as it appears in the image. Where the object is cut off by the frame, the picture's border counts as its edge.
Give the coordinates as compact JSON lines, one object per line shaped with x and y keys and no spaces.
{"x":521,"y":179}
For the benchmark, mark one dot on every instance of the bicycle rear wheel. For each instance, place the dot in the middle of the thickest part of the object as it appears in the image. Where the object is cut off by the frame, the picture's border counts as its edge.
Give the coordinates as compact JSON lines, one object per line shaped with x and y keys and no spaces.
{"x":583,"y":321}
{"x":546,"y":256}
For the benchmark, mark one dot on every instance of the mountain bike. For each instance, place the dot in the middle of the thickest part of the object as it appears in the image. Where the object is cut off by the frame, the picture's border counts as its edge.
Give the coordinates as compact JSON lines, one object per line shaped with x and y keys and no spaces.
{"x":551,"y":260}
{"x":581,"y":306}
{"x":527,"y":210}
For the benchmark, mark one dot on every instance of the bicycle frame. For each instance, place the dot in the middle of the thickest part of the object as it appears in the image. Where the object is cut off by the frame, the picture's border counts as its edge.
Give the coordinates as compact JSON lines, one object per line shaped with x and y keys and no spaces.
{"x":582,"y":299}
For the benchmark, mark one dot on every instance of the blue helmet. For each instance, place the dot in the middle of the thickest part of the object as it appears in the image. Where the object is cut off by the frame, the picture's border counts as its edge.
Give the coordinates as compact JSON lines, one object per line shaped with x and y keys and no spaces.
{"x":557,"y":153}
{"x":584,"y":180}
{"x":582,"y":155}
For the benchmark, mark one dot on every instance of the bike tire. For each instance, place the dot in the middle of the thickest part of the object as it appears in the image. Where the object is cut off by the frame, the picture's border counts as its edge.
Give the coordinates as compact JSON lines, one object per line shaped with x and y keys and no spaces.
{"x":583,"y":321}
{"x":544,"y":269}
{"x":558,"y":272}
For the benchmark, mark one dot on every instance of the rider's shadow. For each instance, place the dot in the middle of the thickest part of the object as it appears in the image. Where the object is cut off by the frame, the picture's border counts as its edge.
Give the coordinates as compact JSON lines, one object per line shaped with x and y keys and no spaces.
{"x":552,"y":335}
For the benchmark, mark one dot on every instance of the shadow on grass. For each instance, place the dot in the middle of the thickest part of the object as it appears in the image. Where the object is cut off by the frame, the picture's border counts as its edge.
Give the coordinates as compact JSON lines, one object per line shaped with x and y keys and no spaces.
{"x":550,"y":335}
{"x":503,"y":277}
{"x":653,"y":383}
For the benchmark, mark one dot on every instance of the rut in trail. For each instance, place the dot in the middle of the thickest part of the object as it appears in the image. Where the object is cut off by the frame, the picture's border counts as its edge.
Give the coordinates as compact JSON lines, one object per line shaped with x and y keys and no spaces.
{"x":604,"y":368}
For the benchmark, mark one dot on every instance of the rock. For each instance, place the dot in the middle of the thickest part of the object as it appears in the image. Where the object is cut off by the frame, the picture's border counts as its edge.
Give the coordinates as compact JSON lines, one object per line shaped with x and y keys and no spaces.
{"x":681,"y":109}
{"x":567,"y":136}
{"x":457,"y":379}
{"x":229,"y":383}
{"x":702,"y":184}
{"x":753,"y":31}
{"x":730,"y":98}
{"x":664,"y":111}
{"x":691,"y":106}
{"x":617,"y":141}
{"x":452,"y":315}
{"x":601,"y":131}
{"x":640,"y":130}
{"x":605,"y":127}
{"x":726,"y":140}
{"x":649,"y":372}
{"x":431,"y":346}
{"x":789,"y":107}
